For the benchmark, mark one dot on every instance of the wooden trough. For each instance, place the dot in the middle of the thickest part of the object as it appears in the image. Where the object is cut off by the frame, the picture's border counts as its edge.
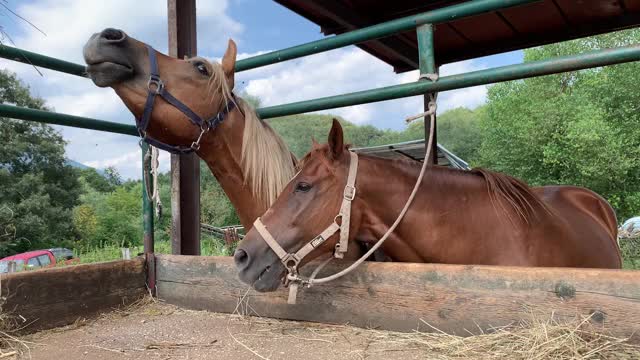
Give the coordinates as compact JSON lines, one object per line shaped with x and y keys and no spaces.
{"x":48,"y":298}
{"x":457,"y":299}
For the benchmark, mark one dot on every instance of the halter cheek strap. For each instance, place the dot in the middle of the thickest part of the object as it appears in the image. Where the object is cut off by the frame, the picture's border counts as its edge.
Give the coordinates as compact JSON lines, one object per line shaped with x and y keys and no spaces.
{"x":292,"y":260}
{"x":155,"y":88}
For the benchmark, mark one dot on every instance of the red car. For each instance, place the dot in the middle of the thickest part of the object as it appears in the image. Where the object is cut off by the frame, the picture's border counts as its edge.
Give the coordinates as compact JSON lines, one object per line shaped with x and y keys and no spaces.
{"x":36,"y":259}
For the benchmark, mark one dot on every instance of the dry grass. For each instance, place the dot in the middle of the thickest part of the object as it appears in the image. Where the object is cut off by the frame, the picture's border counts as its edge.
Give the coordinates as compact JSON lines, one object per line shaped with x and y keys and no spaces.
{"x":534,"y":339}
{"x":11,"y":346}
{"x":538,"y":338}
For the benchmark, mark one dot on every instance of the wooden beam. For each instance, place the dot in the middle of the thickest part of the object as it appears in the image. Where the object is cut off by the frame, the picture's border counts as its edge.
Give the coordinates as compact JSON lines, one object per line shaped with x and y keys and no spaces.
{"x":457,"y":299}
{"x":185,"y":169}
{"x":351,"y":20}
{"x":48,"y":298}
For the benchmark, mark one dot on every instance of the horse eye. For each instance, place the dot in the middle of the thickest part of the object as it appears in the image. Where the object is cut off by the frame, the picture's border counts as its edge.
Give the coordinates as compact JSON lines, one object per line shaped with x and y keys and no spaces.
{"x":202,"y":68}
{"x":303,"y":187}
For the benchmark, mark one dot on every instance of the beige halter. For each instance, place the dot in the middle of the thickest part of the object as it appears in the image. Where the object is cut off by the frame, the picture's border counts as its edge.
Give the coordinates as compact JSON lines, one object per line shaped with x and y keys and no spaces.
{"x":292,"y":260}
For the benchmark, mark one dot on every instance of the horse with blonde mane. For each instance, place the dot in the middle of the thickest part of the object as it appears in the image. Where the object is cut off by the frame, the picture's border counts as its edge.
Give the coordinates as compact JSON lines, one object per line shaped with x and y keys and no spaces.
{"x":249,"y":160}
{"x":505,"y":222}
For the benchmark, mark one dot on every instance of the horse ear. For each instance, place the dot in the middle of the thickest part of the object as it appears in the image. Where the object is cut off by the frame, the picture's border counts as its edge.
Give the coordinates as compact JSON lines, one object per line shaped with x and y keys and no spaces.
{"x":336,"y":139}
{"x":229,"y":62}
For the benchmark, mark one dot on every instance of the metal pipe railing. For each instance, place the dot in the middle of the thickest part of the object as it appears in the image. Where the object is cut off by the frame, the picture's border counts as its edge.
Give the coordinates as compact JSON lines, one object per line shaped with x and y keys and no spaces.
{"x":47,"y":62}
{"x":49,"y":117}
{"x":481,"y":77}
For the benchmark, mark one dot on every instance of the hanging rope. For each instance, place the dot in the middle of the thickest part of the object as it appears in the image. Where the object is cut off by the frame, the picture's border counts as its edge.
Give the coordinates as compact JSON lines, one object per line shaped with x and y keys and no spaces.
{"x":151,"y":160}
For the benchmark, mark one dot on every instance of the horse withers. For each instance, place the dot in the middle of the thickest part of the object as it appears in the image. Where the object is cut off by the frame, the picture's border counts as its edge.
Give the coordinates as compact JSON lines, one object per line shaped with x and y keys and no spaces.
{"x":506,"y":222}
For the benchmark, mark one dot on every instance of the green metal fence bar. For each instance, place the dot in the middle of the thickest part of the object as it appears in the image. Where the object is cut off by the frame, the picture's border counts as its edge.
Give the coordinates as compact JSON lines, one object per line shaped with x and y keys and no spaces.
{"x":468,"y":8}
{"x":426,"y":55}
{"x":43,"y":61}
{"x":17,"y":112}
{"x":481,"y":77}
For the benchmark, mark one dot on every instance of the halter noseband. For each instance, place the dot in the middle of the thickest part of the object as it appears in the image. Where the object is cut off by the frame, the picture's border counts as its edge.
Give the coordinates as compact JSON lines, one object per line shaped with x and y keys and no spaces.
{"x":292,"y":260}
{"x":155,"y":87}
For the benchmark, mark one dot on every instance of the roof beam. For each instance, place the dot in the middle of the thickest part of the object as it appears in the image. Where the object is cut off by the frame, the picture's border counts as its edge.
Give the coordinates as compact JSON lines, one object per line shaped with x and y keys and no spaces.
{"x":350,"y":20}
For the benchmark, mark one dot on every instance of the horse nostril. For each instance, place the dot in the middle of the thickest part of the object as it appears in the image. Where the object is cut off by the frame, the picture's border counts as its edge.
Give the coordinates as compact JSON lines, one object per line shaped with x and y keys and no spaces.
{"x":241,"y":258}
{"x":113,"y":35}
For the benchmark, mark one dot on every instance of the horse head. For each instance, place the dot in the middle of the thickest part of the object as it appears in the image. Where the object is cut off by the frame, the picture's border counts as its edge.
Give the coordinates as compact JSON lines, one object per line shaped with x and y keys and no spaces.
{"x":197,"y":88}
{"x":306,"y":207}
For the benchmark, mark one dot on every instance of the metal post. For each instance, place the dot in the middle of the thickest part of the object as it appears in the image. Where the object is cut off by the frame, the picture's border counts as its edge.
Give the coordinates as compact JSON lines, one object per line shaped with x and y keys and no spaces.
{"x":185,"y":169}
{"x":428,"y":72}
{"x":147,"y":219}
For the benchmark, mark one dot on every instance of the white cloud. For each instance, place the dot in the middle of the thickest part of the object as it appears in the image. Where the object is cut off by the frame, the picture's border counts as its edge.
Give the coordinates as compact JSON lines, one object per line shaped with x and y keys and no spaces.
{"x":348,"y":70}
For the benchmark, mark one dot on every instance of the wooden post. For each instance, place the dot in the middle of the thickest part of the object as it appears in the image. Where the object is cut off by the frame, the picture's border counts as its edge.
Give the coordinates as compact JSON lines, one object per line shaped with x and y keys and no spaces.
{"x":185,"y":169}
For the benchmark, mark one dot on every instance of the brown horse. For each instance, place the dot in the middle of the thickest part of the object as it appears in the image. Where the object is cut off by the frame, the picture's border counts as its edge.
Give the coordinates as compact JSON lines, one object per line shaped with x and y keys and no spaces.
{"x":246,"y":156}
{"x":458,"y":217}
{"x":249,"y":160}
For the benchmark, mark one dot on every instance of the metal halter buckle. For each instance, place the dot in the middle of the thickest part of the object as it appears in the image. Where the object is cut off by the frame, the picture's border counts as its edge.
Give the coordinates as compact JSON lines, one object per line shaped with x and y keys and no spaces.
{"x":196,"y":144}
{"x":349,"y":192}
{"x":286,"y":261}
{"x":155,"y":84}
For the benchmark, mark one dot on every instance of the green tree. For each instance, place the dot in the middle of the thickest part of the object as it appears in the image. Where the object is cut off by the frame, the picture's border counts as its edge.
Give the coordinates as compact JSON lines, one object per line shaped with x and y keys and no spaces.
{"x":35,"y":184}
{"x":580,"y":128}
{"x":85,"y":221}
{"x":105,"y":182}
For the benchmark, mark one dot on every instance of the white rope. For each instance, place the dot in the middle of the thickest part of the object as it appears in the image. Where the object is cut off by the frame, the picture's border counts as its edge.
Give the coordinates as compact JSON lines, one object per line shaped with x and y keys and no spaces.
{"x":152,"y":158}
{"x":432,"y":114}
{"x":155,"y":196}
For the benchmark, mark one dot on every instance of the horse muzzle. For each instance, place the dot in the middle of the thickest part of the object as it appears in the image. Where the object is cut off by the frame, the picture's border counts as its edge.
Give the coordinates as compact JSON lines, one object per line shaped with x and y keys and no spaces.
{"x":108,"y":57}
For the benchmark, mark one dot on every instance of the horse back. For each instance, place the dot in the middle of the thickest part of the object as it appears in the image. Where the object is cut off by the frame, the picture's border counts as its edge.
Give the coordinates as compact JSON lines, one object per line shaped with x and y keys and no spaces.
{"x":585,"y":217}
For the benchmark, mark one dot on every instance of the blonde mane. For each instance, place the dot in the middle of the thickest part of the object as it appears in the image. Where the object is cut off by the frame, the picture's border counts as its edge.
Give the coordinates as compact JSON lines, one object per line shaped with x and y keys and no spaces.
{"x":267,"y":163}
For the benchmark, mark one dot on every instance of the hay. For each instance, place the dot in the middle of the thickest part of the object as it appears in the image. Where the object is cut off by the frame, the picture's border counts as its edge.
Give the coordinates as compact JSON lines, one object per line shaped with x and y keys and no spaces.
{"x":11,"y":346}
{"x":530,"y":340}
{"x":539,"y":337}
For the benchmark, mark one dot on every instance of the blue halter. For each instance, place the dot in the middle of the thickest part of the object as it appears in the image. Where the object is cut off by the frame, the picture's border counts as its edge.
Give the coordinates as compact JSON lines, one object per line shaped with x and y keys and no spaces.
{"x":156,"y":87}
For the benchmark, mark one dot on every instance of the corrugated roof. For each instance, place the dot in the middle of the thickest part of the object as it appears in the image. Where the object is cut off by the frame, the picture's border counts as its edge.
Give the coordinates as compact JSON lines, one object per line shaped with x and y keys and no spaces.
{"x":414,"y":150}
{"x":514,"y":28}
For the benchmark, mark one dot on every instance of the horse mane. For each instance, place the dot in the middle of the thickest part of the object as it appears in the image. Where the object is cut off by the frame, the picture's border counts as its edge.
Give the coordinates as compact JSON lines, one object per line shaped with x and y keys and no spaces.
{"x":266,"y":161}
{"x":515,"y":192}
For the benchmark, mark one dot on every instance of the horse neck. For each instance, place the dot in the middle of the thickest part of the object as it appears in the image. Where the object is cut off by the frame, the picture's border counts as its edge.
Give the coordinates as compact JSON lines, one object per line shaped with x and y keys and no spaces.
{"x":442,"y":193}
{"x":222,"y":151}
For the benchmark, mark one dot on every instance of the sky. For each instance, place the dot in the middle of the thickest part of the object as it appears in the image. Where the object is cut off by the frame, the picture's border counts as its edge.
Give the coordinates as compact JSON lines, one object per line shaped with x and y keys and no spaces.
{"x":257,"y":26}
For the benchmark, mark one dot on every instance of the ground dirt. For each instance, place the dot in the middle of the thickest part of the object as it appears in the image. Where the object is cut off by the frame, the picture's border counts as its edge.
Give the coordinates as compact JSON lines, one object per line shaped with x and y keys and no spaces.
{"x":154,"y":330}
{"x":161,"y":331}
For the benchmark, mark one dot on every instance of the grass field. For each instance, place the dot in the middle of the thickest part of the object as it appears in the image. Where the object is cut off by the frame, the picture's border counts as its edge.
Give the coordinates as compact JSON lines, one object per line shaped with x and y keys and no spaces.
{"x":210,"y":247}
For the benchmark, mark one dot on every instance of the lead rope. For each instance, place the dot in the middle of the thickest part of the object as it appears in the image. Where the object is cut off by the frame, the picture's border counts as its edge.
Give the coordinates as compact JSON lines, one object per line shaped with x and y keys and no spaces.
{"x":151,"y":157}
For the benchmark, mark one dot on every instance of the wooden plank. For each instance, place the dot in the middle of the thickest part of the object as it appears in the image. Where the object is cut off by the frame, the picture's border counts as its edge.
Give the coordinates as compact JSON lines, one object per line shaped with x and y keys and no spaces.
{"x":458,"y":299}
{"x":54,"y":297}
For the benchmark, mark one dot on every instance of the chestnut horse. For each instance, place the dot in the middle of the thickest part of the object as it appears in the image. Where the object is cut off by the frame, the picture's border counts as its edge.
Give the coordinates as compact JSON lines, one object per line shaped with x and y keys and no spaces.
{"x":458,"y":217}
{"x":249,"y":160}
